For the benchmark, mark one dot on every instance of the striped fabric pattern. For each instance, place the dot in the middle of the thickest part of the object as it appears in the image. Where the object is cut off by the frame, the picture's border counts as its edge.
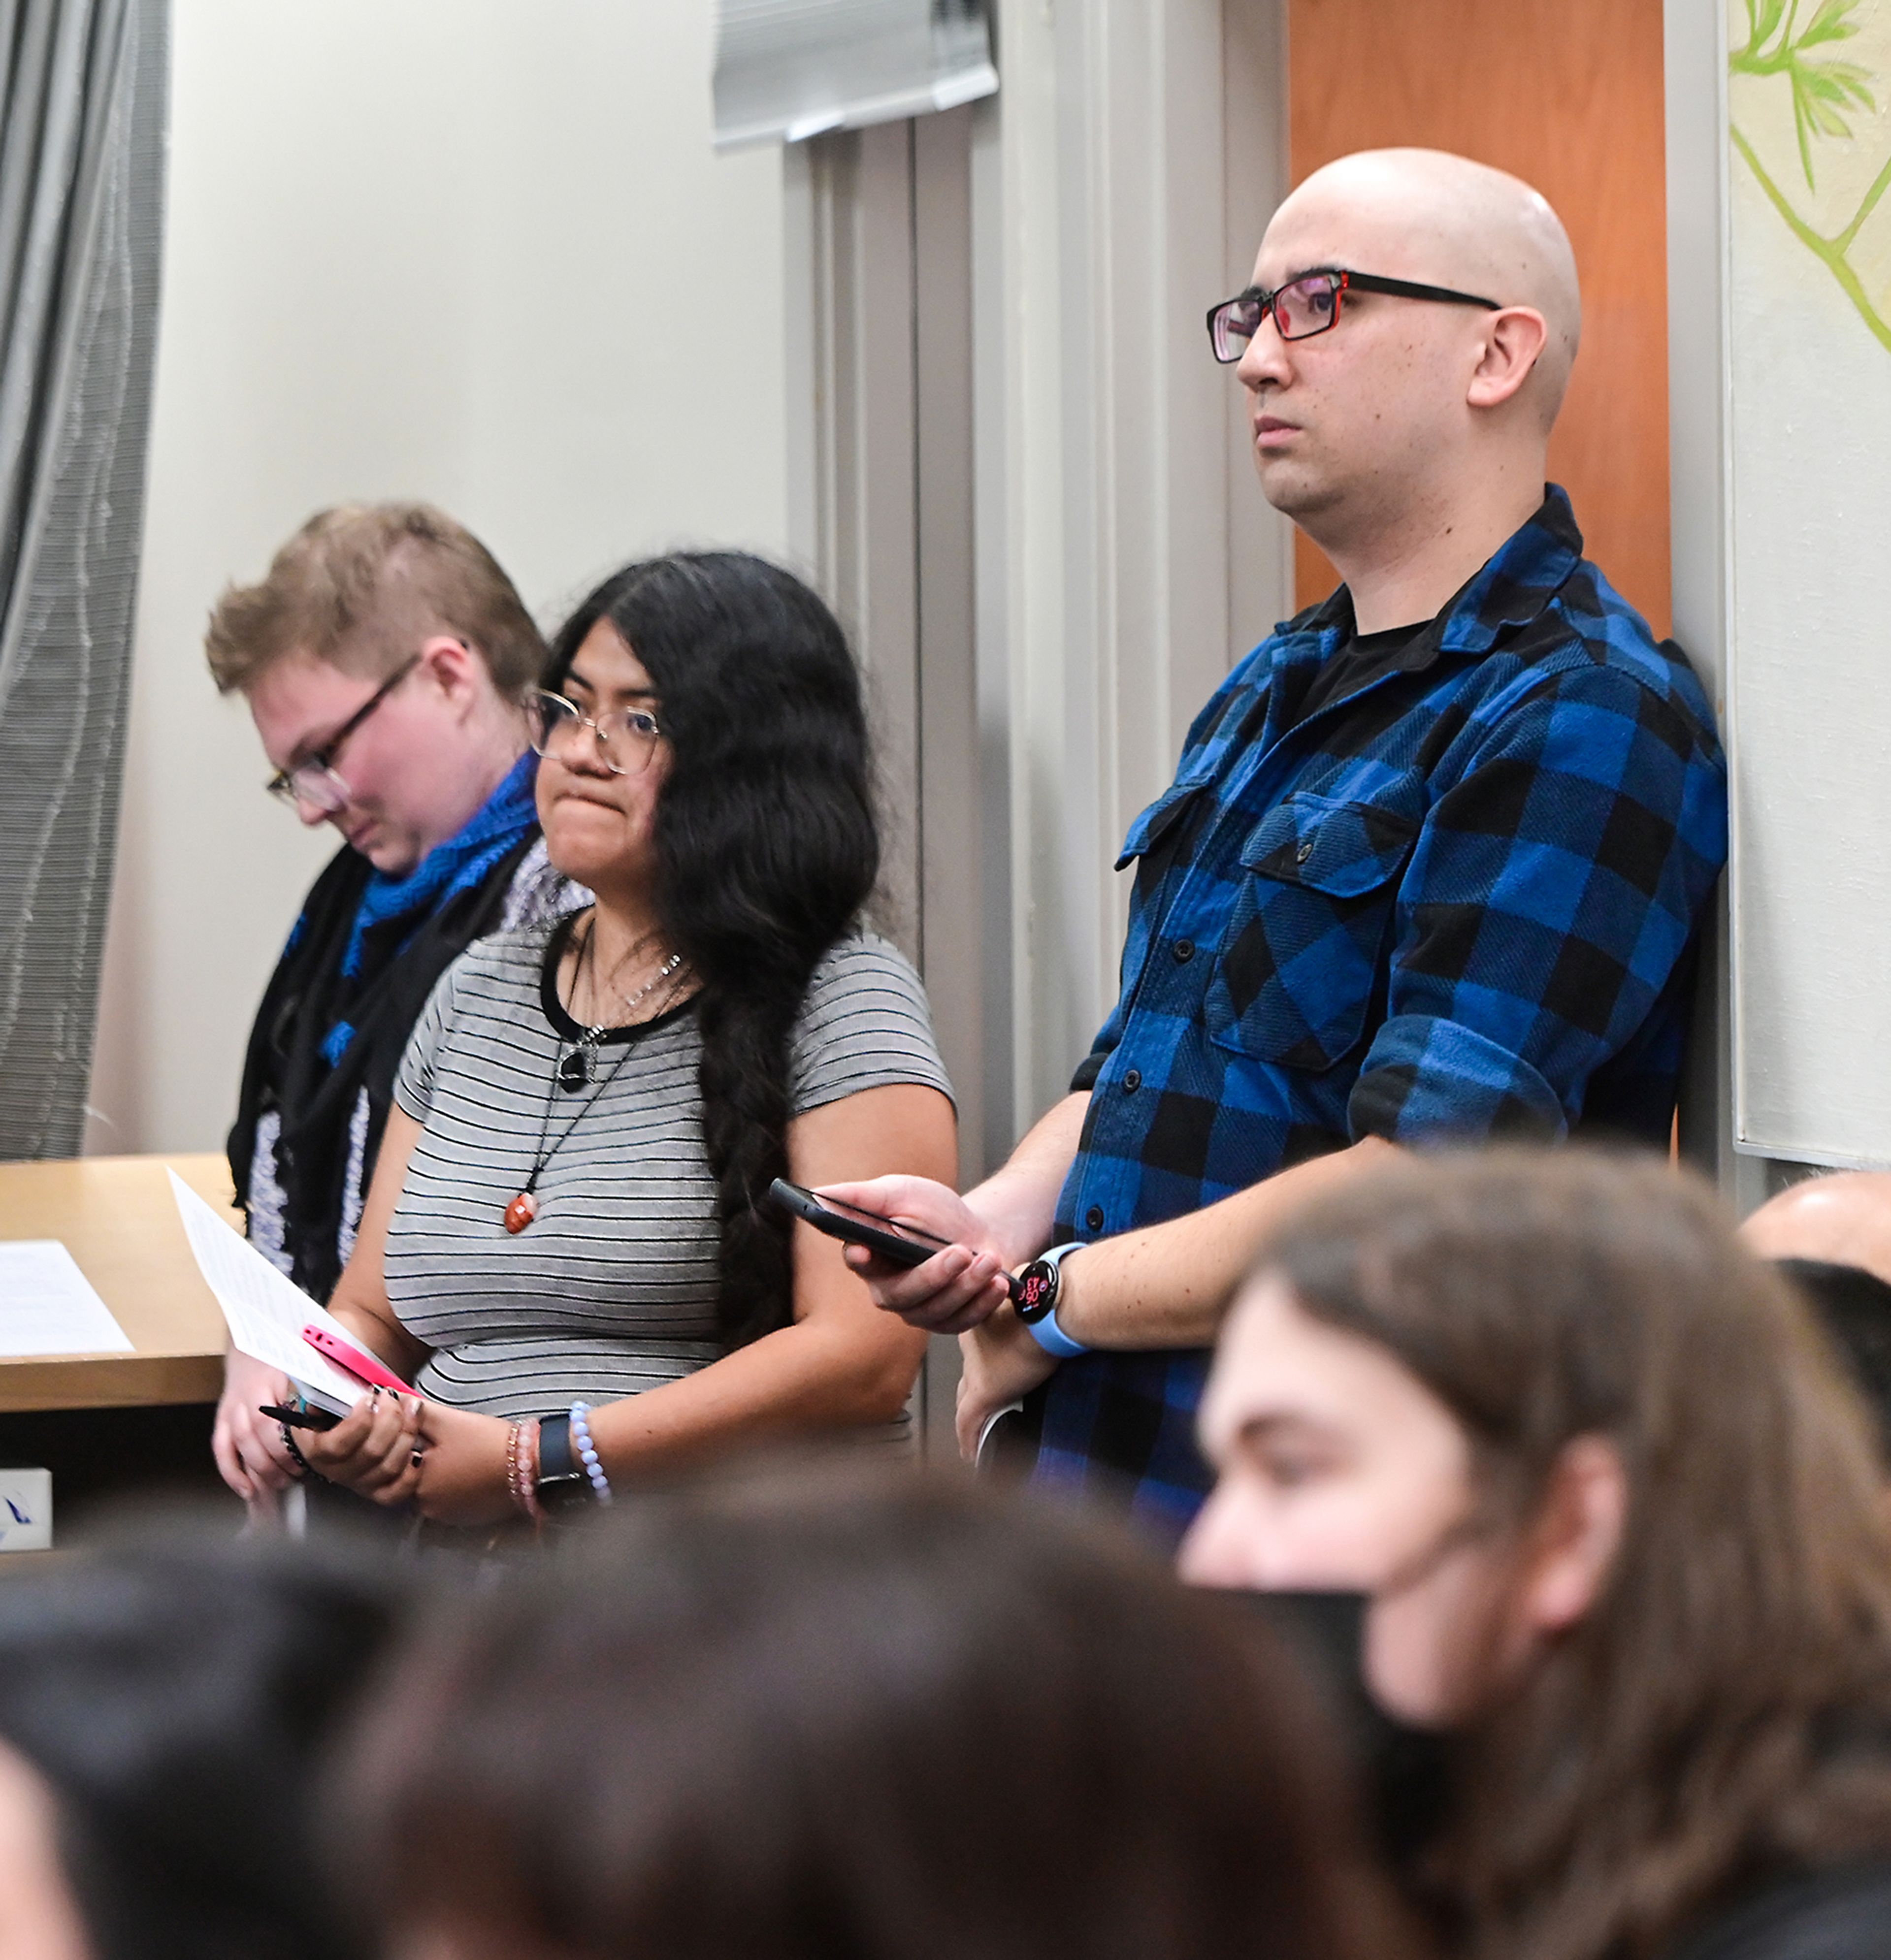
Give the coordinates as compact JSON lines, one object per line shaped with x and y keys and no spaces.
{"x":83,"y":107}
{"x":612,"y":1288}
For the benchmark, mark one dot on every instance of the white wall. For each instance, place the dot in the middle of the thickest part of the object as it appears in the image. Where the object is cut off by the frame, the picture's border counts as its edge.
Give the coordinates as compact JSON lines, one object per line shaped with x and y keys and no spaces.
{"x":1810,"y":713}
{"x":469,"y":251}
{"x":1122,"y":179}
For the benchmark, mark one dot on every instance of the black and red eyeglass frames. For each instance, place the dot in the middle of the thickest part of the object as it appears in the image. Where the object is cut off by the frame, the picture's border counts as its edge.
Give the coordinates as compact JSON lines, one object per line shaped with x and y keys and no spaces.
{"x":1310,"y":304}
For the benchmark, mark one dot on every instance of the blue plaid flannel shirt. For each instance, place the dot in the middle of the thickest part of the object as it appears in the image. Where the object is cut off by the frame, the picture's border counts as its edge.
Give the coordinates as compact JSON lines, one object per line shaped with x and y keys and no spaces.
{"x":1456,"y":902}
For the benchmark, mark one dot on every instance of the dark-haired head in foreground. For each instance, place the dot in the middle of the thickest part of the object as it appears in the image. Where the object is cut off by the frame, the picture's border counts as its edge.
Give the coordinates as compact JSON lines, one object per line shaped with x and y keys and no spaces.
{"x":843,"y":1722}
{"x":173,"y":1699}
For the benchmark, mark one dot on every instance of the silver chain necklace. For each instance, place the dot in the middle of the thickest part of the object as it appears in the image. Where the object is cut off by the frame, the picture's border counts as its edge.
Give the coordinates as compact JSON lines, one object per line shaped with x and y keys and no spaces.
{"x":575,"y":1063}
{"x":572,"y":1074}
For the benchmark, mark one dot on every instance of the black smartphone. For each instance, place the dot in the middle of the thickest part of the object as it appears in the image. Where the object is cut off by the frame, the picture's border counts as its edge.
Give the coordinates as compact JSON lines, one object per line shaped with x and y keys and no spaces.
{"x":301,"y":1418}
{"x":900,"y":1245}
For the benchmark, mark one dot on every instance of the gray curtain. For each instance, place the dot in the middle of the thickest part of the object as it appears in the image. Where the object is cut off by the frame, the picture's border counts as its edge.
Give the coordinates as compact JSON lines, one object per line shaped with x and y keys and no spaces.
{"x":82,"y":99}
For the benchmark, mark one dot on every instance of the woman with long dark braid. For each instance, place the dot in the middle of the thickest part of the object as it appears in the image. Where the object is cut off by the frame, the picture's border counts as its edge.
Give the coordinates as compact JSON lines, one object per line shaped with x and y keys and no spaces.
{"x":567,"y":1247}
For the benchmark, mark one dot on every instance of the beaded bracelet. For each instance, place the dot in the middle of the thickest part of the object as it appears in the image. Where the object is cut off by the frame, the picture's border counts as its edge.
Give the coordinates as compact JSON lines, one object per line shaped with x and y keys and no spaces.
{"x":306,"y":1472}
{"x":522,"y":1469}
{"x":587,"y":1452}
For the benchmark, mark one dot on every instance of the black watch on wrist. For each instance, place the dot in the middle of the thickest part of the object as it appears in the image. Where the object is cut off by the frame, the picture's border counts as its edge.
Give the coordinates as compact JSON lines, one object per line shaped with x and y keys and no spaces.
{"x":562,"y":1484}
{"x":1035,"y":1295}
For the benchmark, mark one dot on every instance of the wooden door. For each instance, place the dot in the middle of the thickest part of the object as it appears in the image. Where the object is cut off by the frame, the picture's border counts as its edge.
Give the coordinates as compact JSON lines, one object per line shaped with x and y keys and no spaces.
{"x":1570,"y":98}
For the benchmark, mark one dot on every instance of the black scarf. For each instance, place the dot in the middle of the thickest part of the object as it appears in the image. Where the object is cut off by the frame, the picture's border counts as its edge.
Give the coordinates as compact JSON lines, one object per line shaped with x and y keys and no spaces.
{"x":396,"y":964}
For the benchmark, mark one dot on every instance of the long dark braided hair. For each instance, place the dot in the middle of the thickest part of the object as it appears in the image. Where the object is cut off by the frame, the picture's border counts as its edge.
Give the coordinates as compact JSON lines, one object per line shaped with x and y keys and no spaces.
{"x":767,"y":851}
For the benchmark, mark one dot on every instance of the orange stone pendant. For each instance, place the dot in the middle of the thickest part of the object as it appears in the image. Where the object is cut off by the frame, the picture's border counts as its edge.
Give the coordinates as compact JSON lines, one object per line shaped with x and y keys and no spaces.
{"x":521,"y":1211}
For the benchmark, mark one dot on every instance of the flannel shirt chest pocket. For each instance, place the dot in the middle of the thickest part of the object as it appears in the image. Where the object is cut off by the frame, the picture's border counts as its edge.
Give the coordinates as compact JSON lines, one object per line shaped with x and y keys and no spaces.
{"x":1296,"y":965}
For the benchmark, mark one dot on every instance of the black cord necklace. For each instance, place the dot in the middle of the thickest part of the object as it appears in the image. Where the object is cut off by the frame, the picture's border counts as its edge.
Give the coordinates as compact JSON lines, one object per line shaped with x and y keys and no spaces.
{"x":571,"y":1074}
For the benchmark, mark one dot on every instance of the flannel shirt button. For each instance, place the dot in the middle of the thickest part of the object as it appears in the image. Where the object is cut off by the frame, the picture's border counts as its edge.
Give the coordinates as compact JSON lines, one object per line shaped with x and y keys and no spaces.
{"x":1093,"y":1218}
{"x":1132,"y":1081}
{"x":1305,"y":851}
{"x":1184,"y":951}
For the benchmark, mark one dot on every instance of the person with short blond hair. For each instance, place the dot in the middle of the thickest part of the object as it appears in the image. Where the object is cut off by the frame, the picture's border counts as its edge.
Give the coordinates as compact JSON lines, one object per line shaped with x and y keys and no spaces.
{"x":386,"y":660}
{"x":356,"y":582}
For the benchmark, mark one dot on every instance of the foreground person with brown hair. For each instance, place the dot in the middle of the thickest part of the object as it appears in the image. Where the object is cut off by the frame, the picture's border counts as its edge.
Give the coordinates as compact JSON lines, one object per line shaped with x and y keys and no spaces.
{"x":839,"y":1719}
{"x":1616,"y":1512}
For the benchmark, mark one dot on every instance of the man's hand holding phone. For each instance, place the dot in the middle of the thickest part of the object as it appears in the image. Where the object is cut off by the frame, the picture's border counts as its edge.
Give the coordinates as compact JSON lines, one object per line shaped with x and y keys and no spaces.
{"x":956,"y":1289}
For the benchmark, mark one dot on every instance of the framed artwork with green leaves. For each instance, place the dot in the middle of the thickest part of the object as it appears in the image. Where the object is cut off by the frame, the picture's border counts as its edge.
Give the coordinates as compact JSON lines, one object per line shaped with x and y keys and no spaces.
{"x":1807,"y":116}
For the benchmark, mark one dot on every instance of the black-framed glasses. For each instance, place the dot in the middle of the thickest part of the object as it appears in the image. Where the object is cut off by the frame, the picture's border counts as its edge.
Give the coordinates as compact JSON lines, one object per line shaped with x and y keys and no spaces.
{"x":312,"y":780}
{"x":1310,"y":304}
{"x":627,"y":738}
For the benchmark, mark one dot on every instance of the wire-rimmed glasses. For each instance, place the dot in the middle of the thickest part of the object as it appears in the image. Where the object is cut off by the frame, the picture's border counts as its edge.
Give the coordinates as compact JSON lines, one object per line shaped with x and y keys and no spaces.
{"x":312,"y":780}
{"x":1310,"y":304}
{"x":626,"y":737}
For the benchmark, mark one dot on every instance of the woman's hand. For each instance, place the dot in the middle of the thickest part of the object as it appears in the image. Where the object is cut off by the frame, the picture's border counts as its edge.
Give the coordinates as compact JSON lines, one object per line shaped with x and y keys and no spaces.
{"x":462,"y":1466}
{"x":1002,"y":1363}
{"x":374,"y":1450}
{"x":247,"y":1445}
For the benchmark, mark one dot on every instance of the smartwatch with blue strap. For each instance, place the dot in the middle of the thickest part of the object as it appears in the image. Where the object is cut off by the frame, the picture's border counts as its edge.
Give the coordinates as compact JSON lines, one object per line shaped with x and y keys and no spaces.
{"x":1035,"y":1296}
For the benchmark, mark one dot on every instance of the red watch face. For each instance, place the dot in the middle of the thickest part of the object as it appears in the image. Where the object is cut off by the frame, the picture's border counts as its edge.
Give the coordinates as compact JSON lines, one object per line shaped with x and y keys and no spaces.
{"x":1035,"y":1285}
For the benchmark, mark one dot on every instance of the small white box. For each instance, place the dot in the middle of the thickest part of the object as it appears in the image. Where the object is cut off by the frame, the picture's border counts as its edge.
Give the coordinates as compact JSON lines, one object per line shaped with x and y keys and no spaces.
{"x":26,"y":1510}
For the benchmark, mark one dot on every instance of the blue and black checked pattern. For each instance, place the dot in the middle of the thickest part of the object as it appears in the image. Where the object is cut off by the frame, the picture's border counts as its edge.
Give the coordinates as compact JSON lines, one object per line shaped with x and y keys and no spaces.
{"x":1458,"y":902}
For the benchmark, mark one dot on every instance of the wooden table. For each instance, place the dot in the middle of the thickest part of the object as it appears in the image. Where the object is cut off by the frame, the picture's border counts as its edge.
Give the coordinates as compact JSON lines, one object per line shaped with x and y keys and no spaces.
{"x":117,"y":1217}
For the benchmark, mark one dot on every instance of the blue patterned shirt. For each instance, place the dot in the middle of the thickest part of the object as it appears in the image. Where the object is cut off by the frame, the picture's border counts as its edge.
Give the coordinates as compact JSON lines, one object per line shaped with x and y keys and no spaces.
{"x":1457,"y":901}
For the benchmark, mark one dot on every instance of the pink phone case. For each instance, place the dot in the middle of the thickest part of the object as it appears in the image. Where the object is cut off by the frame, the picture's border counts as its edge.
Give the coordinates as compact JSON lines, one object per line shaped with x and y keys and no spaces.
{"x":345,"y":1355}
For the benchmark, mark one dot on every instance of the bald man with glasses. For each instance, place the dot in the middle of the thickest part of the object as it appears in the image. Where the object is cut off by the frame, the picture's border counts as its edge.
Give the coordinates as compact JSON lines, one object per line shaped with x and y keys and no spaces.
{"x":389,"y":668}
{"x":1431,"y":867}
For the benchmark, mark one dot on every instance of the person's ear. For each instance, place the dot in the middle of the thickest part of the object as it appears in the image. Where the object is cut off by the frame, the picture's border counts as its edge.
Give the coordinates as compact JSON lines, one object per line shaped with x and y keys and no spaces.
{"x":1513,"y":338}
{"x":1577,"y":1535}
{"x":454,"y":669}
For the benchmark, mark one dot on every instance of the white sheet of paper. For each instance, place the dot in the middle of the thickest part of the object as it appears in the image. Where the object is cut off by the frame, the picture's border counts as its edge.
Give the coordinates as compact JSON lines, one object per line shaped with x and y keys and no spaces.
{"x":266,"y":1313}
{"x":47,"y":1306}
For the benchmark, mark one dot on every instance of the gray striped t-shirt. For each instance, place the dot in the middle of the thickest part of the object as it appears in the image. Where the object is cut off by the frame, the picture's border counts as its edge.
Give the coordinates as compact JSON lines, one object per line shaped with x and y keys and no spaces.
{"x":612,"y":1288}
